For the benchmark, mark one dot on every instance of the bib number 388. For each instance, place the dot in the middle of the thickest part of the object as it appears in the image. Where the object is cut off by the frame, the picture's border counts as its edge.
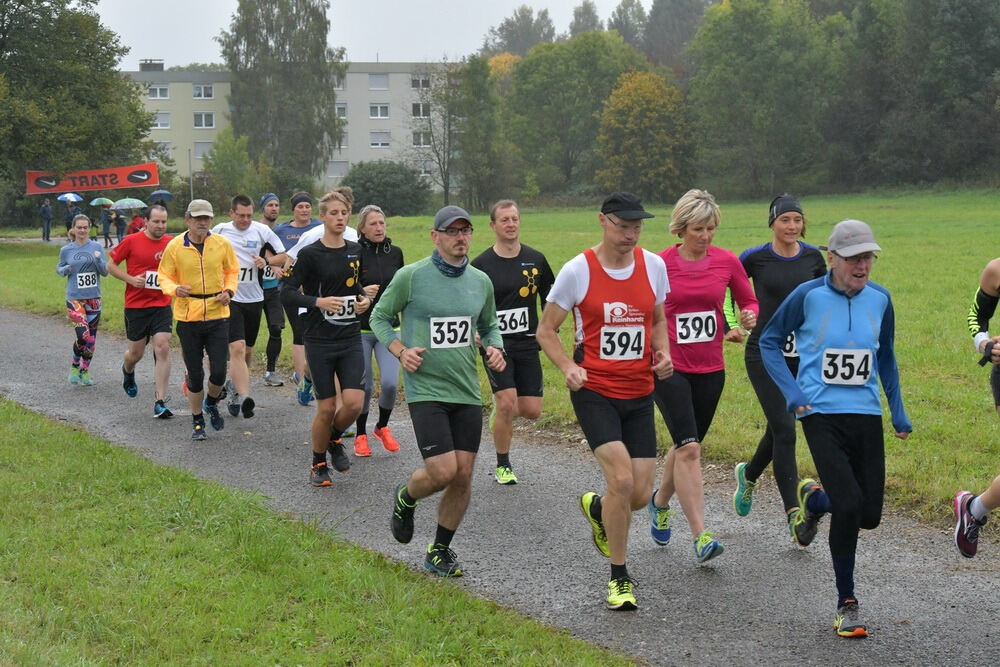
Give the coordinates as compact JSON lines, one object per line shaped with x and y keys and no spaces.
{"x":450,"y":332}
{"x":624,"y":343}
{"x":846,"y":367}
{"x":88,"y":279}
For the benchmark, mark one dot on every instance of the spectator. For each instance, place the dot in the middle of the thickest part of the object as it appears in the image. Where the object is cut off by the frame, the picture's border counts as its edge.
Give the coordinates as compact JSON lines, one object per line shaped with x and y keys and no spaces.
{"x":46,"y":212}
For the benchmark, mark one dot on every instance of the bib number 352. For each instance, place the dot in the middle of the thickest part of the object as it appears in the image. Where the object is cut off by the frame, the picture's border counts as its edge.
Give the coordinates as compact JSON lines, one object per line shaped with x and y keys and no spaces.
{"x":451,"y":332}
{"x":623,"y":343}
{"x":846,"y":367}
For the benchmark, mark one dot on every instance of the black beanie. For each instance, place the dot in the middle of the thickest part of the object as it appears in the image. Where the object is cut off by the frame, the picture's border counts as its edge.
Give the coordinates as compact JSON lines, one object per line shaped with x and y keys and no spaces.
{"x":782,"y":204}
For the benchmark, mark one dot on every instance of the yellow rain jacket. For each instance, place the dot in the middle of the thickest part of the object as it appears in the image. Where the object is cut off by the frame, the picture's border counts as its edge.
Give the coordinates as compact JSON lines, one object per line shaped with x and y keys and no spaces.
{"x":207,"y":273}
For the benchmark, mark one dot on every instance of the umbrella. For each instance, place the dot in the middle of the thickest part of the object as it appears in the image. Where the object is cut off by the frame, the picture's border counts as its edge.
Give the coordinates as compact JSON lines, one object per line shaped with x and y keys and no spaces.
{"x":162,"y":195}
{"x":128,"y":203}
{"x":101,"y":201}
{"x":70,"y":196}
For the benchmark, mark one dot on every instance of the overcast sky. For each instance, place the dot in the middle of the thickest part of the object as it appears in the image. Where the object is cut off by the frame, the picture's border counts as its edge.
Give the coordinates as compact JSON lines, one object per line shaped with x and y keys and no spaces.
{"x":181,"y":31}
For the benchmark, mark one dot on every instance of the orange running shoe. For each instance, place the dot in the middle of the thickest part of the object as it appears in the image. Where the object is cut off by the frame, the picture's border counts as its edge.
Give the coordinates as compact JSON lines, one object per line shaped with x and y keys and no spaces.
{"x":384,"y":435}
{"x":361,"y":446}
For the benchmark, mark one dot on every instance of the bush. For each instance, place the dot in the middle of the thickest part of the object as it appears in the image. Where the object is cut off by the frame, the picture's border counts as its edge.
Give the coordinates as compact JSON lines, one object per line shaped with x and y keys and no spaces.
{"x":394,"y":186}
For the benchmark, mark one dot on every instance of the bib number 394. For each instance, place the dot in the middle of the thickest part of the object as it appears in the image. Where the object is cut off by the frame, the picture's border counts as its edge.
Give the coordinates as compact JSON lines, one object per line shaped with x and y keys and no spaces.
{"x":450,"y":332}
{"x":696,"y":327}
{"x":512,"y":321}
{"x":88,"y":279}
{"x":622,"y":343}
{"x":846,"y":367}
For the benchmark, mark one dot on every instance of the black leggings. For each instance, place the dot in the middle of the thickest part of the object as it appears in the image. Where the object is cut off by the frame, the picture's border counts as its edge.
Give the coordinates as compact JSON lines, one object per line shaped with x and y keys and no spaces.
{"x":778,"y":441}
{"x":209,"y":337}
{"x":849,"y":454}
{"x":687,"y":402}
{"x":295,"y":321}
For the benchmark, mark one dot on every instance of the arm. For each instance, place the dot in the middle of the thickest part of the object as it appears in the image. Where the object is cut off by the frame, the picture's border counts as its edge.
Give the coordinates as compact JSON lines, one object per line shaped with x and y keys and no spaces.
{"x":166,"y":273}
{"x":888,"y":372}
{"x":489,"y":331}
{"x":62,"y":267}
{"x":230,"y":269}
{"x":101,"y":261}
{"x":122,"y":275}
{"x":742,"y":292}
{"x":291,"y":295}
{"x":983,"y":306}
{"x":663,"y":367}
{"x":786,"y":319}
{"x":552,"y":318}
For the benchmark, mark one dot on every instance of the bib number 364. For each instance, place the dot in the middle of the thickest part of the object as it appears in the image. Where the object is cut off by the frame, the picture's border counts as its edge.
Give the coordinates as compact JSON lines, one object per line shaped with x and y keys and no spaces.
{"x":451,"y":332}
{"x":622,"y":343}
{"x":846,"y":367}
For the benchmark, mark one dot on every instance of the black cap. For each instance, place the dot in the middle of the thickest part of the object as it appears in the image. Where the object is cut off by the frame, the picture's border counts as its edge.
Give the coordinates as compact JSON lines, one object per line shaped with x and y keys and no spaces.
{"x":782,"y":204}
{"x":626,"y":206}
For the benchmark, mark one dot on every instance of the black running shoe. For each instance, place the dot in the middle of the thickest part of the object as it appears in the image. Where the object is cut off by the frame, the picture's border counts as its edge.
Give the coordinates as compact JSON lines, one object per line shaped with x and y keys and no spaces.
{"x":128,"y":383}
{"x":246,"y":407}
{"x":199,"y":429}
{"x":442,"y":561}
{"x":401,"y":521}
{"x":338,"y":457}
{"x":161,"y":411}
{"x":218,"y":423}
{"x":319,"y":475}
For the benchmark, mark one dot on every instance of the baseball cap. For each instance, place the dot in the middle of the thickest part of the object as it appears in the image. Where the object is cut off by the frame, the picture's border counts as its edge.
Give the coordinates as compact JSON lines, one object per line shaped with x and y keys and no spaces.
{"x":850,"y":238}
{"x":448,"y":215}
{"x":626,"y":206}
{"x":200,"y":207}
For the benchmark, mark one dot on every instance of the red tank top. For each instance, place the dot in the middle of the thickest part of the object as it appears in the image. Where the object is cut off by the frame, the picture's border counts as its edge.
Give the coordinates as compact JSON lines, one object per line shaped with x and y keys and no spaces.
{"x":616,"y":318}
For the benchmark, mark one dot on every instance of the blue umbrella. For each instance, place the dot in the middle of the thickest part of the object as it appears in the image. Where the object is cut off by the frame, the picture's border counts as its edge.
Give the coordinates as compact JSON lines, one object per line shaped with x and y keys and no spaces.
{"x":162,"y":195}
{"x":70,"y":196}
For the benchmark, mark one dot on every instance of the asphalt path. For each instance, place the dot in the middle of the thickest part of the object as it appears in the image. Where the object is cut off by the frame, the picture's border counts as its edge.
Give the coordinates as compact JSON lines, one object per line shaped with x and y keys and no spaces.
{"x":528,"y":547}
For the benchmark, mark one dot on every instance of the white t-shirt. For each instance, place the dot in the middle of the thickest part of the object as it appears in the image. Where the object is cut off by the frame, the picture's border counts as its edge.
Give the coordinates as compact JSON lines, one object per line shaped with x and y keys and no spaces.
{"x":248,"y":245}
{"x":314,"y":234}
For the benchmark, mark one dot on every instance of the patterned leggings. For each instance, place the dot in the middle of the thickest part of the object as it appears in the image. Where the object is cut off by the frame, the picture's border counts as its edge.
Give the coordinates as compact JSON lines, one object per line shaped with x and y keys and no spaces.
{"x":85,"y":314}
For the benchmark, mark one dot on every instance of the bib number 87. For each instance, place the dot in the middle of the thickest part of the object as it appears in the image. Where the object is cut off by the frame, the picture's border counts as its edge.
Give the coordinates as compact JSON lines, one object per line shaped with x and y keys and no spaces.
{"x":622,"y":343}
{"x":846,"y":367}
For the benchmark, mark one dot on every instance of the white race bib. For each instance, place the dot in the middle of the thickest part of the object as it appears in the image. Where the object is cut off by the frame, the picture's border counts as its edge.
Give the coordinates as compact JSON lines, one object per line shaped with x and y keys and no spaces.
{"x":152,"y":281}
{"x":269,"y":273}
{"x":248,"y":274}
{"x":345,"y":312}
{"x":698,"y":327}
{"x":512,"y":321}
{"x":789,"y":349}
{"x":846,"y":367}
{"x":449,"y":332}
{"x":85,"y":280}
{"x":623,"y":343}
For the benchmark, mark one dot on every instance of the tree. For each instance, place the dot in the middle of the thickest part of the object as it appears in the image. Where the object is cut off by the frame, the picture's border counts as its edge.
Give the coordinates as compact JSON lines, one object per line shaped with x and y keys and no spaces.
{"x":519,"y":32}
{"x":229,"y":170}
{"x":629,"y":19}
{"x":394,"y":186}
{"x":283,"y":77}
{"x":671,"y":26}
{"x":585,"y":19}
{"x":434,"y":121}
{"x":646,"y":144}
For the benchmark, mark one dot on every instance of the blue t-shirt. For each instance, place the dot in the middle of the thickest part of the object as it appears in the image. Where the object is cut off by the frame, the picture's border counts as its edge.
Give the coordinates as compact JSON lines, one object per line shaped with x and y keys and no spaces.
{"x":289,"y":236}
{"x":83,"y":265}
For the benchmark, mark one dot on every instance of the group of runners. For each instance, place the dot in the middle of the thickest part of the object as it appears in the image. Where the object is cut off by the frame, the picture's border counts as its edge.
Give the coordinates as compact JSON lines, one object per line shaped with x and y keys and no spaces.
{"x":648,"y":330}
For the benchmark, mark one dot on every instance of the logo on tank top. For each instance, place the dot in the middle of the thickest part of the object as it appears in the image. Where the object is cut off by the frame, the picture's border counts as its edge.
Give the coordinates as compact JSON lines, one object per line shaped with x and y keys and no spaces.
{"x":531,"y":282}
{"x":617,"y":312}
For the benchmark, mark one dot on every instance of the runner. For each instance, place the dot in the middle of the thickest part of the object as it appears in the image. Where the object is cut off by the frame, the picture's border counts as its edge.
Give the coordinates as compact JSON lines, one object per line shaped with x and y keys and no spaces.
{"x":444,"y":302}
{"x":614,"y":291}
{"x":327,"y":271}
{"x":970,"y":516}
{"x":82,"y":262}
{"x":270,"y":208}
{"x":699,"y":274}
{"x":983,"y":306}
{"x":200,"y":270}
{"x":521,"y":278}
{"x":844,"y":329}
{"x":248,"y":239}
{"x":147,"y":308}
{"x":776,"y":267}
{"x":380,"y":260}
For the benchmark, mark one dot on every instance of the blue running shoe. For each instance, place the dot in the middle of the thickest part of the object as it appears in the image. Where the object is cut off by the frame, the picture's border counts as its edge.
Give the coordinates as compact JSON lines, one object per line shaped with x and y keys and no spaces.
{"x":218,"y":423}
{"x":232,"y":398}
{"x":128,"y":383}
{"x":659,"y":521}
{"x":304,"y":393}
{"x":706,"y":547}
{"x":161,"y":411}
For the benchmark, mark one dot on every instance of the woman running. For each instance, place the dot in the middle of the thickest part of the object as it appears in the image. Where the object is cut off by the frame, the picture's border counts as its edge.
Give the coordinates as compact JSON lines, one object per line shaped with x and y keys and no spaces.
{"x":83,"y":263}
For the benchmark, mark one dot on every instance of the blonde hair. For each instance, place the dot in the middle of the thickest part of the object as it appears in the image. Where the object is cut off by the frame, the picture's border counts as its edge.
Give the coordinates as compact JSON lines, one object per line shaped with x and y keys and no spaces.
{"x":364,"y":213}
{"x":693,"y":207}
{"x":336,"y":194}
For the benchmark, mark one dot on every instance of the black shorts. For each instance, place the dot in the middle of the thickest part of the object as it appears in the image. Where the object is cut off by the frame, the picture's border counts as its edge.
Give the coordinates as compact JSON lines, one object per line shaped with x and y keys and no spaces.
{"x":628,"y":420}
{"x":294,"y":321}
{"x":995,"y":384}
{"x":272,"y":308}
{"x":687,"y":402}
{"x":342,"y":358}
{"x":144,"y":323}
{"x":523,"y":371}
{"x":244,"y":321}
{"x":444,"y":427}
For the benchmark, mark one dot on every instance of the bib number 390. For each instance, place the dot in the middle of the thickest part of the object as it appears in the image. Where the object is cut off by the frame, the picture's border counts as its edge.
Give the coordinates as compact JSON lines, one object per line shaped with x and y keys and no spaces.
{"x":88,"y":279}
{"x":696,"y":327}
{"x":846,"y":367}
{"x":450,"y":332}
{"x":622,"y":343}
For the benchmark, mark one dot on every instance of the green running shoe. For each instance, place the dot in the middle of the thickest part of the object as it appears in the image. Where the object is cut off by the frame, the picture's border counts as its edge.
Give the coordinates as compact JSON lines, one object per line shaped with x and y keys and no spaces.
{"x":743,"y":497}
{"x":597,"y":527}
{"x":401,"y":521}
{"x":847,"y":622}
{"x":505,"y":475}
{"x":806,"y":523}
{"x":706,"y":547}
{"x":620,"y":596}
{"x":74,"y":375}
{"x":85,"y":378}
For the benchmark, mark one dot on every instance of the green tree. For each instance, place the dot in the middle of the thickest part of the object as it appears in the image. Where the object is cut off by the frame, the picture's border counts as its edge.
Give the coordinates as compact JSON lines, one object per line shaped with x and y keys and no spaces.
{"x":394,"y":186}
{"x":283,"y":78}
{"x":519,"y":32}
{"x":670,"y":27}
{"x":585,"y":19}
{"x":229,"y":170}
{"x":629,"y":19}
{"x":646,"y":144}
{"x":434,"y":120}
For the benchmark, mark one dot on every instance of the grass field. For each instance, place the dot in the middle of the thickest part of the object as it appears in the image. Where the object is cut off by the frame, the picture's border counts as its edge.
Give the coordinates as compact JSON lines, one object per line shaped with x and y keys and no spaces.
{"x":934,"y":250}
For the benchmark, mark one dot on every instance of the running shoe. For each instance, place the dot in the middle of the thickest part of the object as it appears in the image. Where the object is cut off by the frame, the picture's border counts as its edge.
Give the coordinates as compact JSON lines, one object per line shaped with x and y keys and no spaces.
{"x":596,"y":527}
{"x":806,"y":523}
{"x":233,"y":398}
{"x":246,"y":407}
{"x":199,"y":429}
{"x":128,"y":383}
{"x":847,"y":622}
{"x":388,"y":440}
{"x":272,"y":379}
{"x":319,"y":475}
{"x":74,"y":375}
{"x":659,"y":521}
{"x":361,"y":447}
{"x":505,"y":475}
{"x":161,"y":411}
{"x":620,"y":595}
{"x":338,"y":457}
{"x":304,"y":393}
{"x":85,"y":378}
{"x":401,"y":521}
{"x":351,"y":431}
{"x":218,"y":423}
{"x":966,"y":526}
{"x":493,"y":416}
{"x":706,"y":547}
{"x":441,"y":561}
{"x":743,"y":497}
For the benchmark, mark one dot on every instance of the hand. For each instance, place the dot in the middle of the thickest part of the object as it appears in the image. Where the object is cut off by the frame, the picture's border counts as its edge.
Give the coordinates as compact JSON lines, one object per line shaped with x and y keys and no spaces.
{"x":223,"y":297}
{"x":494,"y":359}
{"x":259,"y":262}
{"x":371,"y":290}
{"x":330,"y":303}
{"x":136,"y":281}
{"x":995,"y":356}
{"x":411,"y":358}
{"x":748,"y":319}
{"x":362,"y":304}
{"x":575,"y":377}
{"x":183,"y":290}
{"x":97,"y":254}
{"x":802,"y":409}
{"x":734,"y":335}
{"x":902,"y":435}
{"x":278,"y":272}
{"x":663,"y":366}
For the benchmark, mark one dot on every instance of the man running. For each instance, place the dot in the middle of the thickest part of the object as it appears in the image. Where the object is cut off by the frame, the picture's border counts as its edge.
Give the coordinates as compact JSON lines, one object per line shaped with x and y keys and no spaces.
{"x":615,"y":291}
{"x":248,"y":239}
{"x":200,"y":270}
{"x":147,"y":308}
{"x":444,"y":302}
{"x":521,"y":278}
{"x":270,"y":208}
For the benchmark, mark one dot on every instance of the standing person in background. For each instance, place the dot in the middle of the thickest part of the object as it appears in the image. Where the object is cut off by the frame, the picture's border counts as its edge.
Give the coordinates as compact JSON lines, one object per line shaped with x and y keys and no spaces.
{"x":270,"y":208}
{"x":137,"y":224}
{"x":45,"y":211}
{"x":120,"y":223}
{"x":82,"y":262}
{"x":106,"y":217}
{"x":72,"y":210}
{"x":776,"y":268}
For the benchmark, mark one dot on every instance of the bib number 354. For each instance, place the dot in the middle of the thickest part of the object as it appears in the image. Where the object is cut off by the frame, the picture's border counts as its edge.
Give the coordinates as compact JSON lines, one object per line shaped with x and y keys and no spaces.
{"x":846,"y":367}
{"x":451,"y":332}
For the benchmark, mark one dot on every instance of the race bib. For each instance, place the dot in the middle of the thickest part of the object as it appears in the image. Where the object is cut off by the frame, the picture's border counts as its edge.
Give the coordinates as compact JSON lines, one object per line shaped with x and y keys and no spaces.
{"x":346,"y":311}
{"x":512,"y":321}
{"x":846,"y":367}
{"x":623,"y":343}
{"x":152,"y":280}
{"x":789,"y":349}
{"x":84,"y":280}
{"x":269,"y":273}
{"x":248,"y":274}
{"x":696,"y":327}
{"x":450,"y":332}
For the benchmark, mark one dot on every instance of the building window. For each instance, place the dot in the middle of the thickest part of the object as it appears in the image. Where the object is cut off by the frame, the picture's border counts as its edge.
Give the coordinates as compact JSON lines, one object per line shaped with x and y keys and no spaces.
{"x":158,"y":91}
{"x":337,"y":168}
{"x":203,"y":91}
{"x":378,"y":82}
{"x":338,"y":84}
{"x":341,"y":109}
{"x":204,"y":119}
{"x":378,"y":110}
{"x":421,"y":110}
{"x":343,"y":140}
{"x":202,"y":148}
{"x":426,"y":167}
{"x":379,"y":139}
{"x":161,"y":121}
{"x":420,"y":81}
{"x":422,"y":139}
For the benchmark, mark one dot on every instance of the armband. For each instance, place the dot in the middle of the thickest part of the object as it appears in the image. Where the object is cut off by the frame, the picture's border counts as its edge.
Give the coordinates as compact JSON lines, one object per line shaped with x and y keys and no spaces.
{"x":979,"y":338}
{"x":987,"y":354}
{"x":229,"y":292}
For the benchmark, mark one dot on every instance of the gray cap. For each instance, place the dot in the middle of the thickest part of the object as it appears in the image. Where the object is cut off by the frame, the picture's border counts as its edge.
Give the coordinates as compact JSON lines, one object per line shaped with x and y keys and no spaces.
{"x":200,"y":207}
{"x":448,"y":215}
{"x":850,"y":238}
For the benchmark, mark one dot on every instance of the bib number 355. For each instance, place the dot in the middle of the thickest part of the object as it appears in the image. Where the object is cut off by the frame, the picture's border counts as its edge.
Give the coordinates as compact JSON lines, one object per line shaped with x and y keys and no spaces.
{"x":451,"y":332}
{"x":846,"y":367}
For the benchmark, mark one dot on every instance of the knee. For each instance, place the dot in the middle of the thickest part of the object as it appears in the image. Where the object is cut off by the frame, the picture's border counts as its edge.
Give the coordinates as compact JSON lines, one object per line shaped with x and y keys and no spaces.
{"x":443,"y":474}
{"x":237,"y":349}
{"x":621,"y":483}
{"x":506,"y":405}
{"x":529,"y":409}
{"x":688,"y":454}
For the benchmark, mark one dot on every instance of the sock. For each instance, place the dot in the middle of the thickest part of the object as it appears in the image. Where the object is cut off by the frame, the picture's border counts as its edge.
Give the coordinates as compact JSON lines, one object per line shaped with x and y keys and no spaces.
{"x":443,"y":536}
{"x":819,"y":503}
{"x":211,"y":400}
{"x":383,"y":417}
{"x":978,"y":509}
{"x":843,"y":571}
{"x":619,"y":571}
{"x":362,"y":423}
{"x":407,"y":499}
{"x":335,"y":434}
{"x":319,"y":457}
{"x":503,"y":459}
{"x":198,"y":418}
{"x":595,"y":509}
{"x":128,"y":373}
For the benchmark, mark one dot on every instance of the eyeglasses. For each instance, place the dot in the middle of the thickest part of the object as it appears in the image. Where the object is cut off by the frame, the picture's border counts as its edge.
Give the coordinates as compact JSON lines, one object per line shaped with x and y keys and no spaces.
{"x":455,"y":231}
{"x":867,"y":257}
{"x":627,"y":228}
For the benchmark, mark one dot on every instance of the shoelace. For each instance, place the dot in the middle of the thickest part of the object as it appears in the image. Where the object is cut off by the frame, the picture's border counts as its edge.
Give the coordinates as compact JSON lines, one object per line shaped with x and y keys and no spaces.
{"x":625,"y":584}
{"x":663,"y":515}
{"x":444,"y":555}
{"x":705,"y":539}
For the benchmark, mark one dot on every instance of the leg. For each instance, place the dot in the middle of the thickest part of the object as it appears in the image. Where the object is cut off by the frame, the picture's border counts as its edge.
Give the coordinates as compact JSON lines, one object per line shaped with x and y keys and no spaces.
{"x":326,"y":409}
{"x":780,"y":433}
{"x":238,"y":371}
{"x":161,"y":352}
{"x":991,"y":496}
{"x":505,"y":401}
{"x":616,"y":503}
{"x":134,"y":352}
{"x":455,"y":499}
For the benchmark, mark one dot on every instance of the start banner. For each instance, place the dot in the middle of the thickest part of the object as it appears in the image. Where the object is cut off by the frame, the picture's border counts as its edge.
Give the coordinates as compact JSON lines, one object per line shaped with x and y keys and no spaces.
{"x":134,"y":176}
